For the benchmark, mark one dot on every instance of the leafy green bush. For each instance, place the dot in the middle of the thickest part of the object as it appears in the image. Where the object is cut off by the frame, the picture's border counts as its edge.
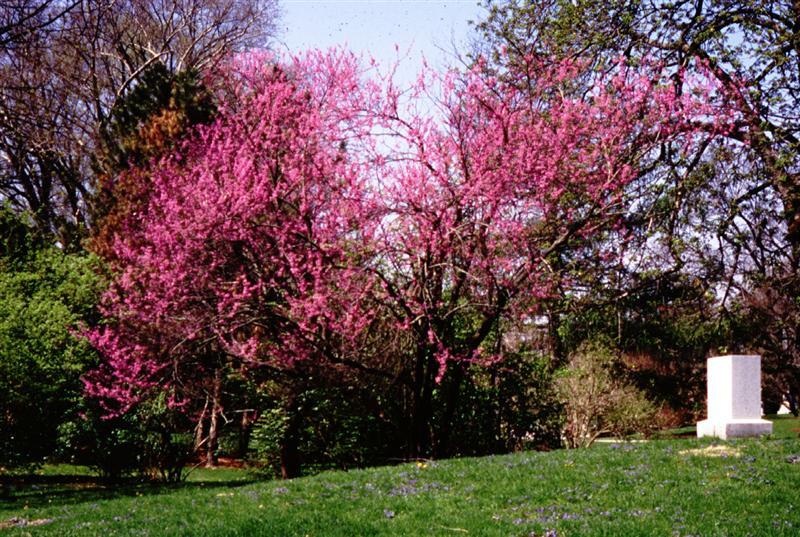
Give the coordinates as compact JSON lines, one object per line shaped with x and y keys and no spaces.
{"x":509,"y":406}
{"x":327,"y":426}
{"x":112,"y":447}
{"x":151,"y":441}
{"x":597,"y":398}
{"x":267,"y":436}
{"x":44,"y":293}
{"x":167,"y":440}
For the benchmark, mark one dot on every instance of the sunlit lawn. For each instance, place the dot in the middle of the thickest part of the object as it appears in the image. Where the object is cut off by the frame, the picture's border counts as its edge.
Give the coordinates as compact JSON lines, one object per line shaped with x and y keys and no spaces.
{"x":663,"y":487}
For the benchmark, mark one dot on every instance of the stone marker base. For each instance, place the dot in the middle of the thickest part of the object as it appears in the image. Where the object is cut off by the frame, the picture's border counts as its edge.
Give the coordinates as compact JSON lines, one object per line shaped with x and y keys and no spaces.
{"x":733,"y":428}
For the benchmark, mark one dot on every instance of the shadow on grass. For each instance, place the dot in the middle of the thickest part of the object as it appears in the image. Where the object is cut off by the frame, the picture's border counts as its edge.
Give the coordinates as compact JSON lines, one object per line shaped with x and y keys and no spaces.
{"x":32,"y":491}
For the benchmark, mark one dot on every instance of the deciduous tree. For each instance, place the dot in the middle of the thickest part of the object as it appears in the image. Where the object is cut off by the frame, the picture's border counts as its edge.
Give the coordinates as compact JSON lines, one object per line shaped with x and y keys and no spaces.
{"x":65,"y":74}
{"x":320,"y":202}
{"x":726,"y":214}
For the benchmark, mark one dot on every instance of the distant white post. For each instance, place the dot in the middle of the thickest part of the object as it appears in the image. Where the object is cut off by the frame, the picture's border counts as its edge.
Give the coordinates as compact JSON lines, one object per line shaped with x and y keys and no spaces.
{"x":734,"y":398}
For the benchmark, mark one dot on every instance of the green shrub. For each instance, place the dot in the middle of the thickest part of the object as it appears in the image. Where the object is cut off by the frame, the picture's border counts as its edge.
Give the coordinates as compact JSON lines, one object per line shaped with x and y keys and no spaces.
{"x":332,"y":427}
{"x":111,"y":447}
{"x":597,"y":399}
{"x":167,"y":440}
{"x":151,"y":441}
{"x":266,"y":438}
{"x":509,"y":406}
{"x":44,"y":294}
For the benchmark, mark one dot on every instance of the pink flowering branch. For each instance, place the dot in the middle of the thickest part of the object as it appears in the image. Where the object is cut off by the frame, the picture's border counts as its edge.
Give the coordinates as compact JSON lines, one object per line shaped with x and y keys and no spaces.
{"x":322,"y":201}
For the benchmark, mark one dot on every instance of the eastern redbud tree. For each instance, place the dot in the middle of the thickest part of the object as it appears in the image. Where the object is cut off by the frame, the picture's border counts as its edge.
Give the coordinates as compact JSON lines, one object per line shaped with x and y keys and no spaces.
{"x":507,"y":173}
{"x":245,"y":250}
{"x":321,"y":201}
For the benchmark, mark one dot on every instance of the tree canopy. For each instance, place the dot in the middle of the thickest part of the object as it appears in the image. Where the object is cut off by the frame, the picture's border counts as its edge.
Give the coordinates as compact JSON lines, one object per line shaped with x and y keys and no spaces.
{"x":320,"y":202}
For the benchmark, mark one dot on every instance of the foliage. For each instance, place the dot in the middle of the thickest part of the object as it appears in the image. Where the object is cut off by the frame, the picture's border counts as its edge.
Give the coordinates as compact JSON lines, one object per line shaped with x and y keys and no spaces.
{"x":168,"y":442}
{"x":154,"y":115}
{"x":726,"y":213}
{"x":598,"y":400}
{"x":112,"y":448}
{"x":147,"y":123}
{"x":507,"y":407}
{"x":153,"y":442}
{"x":235,"y":213}
{"x":665,"y":328}
{"x":66,"y":67}
{"x":515,"y":177}
{"x":267,"y":438}
{"x":268,"y":243}
{"x":772,"y":312}
{"x":336,"y":430}
{"x":44,"y":294}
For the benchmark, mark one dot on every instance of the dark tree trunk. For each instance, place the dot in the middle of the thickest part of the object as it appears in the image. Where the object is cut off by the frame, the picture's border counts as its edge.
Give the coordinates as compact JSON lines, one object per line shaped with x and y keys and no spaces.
{"x":452,"y":392}
{"x":246,"y":427}
{"x":554,"y":339}
{"x":419,"y":440}
{"x":290,"y":455}
{"x":497,"y":413}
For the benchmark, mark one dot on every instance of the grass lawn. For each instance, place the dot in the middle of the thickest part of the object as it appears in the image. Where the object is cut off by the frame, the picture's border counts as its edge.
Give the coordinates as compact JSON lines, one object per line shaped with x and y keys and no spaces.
{"x":667,"y":487}
{"x":783,"y":426}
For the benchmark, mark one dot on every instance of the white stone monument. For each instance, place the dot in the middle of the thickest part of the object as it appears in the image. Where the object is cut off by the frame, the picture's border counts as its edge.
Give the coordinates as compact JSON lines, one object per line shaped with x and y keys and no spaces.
{"x":734,"y":398}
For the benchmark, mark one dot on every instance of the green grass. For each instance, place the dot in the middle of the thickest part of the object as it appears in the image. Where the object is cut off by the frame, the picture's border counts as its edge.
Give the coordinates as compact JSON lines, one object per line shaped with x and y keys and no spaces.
{"x":785,"y":426}
{"x":653,"y":488}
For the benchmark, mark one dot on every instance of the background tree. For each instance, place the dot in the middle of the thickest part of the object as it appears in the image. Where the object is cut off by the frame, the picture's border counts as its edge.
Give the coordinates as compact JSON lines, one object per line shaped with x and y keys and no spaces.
{"x":146,"y":124}
{"x":59,"y":88}
{"x":20,"y":18}
{"x":725,"y":214}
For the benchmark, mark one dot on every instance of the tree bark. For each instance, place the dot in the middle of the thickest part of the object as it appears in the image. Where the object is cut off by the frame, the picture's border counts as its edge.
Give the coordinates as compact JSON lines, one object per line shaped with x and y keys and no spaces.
{"x":245,"y":429}
{"x":213,"y":428}
{"x":290,"y":456}
{"x":419,"y":440}
{"x":200,"y":428}
{"x":452,"y":393}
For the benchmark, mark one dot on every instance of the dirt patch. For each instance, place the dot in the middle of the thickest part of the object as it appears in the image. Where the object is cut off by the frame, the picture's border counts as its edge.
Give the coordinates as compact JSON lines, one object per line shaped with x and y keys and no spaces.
{"x":23,"y":522}
{"x":712,"y":451}
{"x":222,"y":462}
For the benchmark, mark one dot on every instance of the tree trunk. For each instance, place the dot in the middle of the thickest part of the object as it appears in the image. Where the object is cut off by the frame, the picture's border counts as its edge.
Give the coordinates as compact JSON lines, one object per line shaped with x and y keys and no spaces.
{"x":498,"y":404}
{"x":200,"y":428}
{"x":419,"y":441}
{"x":554,"y":338}
{"x":452,"y":392}
{"x":213,"y":428}
{"x":245,"y":429}
{"x":290,"y":456}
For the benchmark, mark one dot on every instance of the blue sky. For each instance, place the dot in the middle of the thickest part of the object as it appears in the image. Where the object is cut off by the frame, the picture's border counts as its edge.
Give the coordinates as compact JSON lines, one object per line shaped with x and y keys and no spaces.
{"x":375,"y":27}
